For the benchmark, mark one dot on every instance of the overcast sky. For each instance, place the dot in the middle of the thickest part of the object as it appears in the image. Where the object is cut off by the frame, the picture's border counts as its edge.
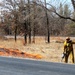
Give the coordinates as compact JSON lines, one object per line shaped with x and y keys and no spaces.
{"x":56,"y":3}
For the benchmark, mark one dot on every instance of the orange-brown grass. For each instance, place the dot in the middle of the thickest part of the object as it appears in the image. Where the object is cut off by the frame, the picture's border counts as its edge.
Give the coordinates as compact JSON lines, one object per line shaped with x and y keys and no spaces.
{"x":40,"y":50}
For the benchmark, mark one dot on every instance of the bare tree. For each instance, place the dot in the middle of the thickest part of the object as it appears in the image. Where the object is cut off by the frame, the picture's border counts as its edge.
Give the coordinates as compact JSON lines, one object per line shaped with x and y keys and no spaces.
{"x":73,"y":3}
{"x":66,"y":17}
{"x":29,"y":21}
{"x":34,"y":17}
{"x":47,"y":23}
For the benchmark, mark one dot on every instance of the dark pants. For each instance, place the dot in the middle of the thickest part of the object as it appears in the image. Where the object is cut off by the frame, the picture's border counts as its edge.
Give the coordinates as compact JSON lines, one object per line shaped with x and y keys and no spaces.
{"x":67,"y":56}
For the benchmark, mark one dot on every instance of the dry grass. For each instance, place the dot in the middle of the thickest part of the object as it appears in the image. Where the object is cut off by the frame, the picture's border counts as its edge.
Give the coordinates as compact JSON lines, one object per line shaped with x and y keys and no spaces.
{"x":49,"y":52}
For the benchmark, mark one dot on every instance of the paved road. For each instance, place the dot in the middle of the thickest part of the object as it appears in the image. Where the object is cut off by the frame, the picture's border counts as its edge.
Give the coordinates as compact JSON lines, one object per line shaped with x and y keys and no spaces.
{"x":13,"y":66}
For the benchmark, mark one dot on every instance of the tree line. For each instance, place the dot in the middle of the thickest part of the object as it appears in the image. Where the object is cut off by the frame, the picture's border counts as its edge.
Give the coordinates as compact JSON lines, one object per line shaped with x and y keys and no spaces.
{"x":32,"y":18}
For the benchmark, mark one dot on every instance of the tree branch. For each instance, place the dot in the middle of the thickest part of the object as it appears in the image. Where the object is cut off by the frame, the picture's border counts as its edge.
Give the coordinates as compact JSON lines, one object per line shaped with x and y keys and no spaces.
{"x":58,"y":13}
{"x":65,"y":17}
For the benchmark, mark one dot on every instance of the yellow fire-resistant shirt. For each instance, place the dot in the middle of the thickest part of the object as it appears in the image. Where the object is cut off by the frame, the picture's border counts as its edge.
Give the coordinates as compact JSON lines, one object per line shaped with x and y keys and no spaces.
{"x":68,"y":46}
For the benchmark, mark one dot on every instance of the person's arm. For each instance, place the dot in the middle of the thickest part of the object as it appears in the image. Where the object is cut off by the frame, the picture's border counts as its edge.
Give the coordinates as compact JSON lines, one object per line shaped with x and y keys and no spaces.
{"x":64,"y":49}
{"x":73,"y":42}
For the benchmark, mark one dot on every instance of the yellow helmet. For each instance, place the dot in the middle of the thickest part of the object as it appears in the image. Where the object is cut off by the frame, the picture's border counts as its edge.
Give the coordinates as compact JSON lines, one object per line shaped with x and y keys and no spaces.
{"x":67,"y":38}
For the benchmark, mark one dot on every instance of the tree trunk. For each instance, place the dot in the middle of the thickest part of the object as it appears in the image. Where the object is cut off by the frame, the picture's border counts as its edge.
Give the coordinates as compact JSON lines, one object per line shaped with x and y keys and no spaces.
{"x":15,"y":33}
{"x":47,"y":23}
{"x":34,"y":33}
{"x":29,"y":21}
{"x":29,"y":33}
{"x":34,"y":7}
{"x":25,"y":33}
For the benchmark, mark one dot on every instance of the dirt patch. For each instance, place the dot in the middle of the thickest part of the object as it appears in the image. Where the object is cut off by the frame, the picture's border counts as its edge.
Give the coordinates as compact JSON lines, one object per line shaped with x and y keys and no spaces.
{"x":18,"y":53}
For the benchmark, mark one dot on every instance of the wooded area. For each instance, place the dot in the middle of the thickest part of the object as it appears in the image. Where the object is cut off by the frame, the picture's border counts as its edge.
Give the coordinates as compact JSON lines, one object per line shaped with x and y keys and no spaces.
{"x":36,"y":18}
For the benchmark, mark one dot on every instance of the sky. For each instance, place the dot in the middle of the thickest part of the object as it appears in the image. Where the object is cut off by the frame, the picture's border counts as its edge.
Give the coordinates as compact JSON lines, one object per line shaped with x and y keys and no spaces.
{"x":56,"y":3}
{"x":59,"y":1}
{"x":0,"y":0}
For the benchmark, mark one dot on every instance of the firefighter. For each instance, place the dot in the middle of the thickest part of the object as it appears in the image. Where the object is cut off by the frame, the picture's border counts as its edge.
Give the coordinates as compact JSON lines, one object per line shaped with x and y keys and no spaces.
{"x":68,"y":49}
